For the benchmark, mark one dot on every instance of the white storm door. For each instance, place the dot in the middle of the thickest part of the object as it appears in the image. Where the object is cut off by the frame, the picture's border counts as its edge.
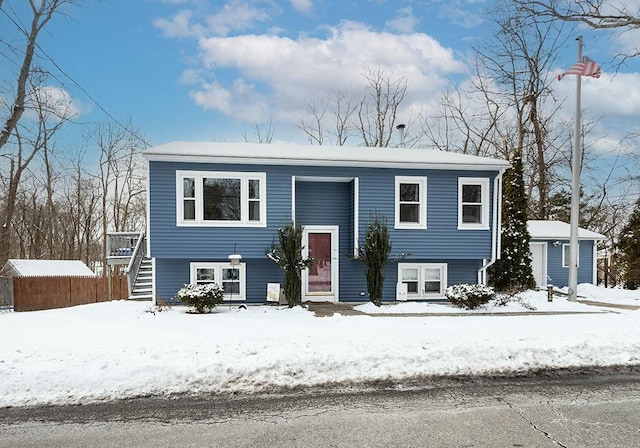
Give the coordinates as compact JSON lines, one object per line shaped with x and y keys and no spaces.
{"x":320,"y":281}
{"x":539,"y":263}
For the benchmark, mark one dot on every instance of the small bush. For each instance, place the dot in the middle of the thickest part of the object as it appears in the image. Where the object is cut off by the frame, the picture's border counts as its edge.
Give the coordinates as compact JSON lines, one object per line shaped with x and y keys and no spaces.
{"x":469,"y":296}
{"x":506,"y":299}
{"x":203,"y":298}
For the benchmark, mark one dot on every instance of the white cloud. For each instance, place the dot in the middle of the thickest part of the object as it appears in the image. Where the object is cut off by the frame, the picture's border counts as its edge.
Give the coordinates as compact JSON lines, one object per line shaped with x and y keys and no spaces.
{"x":303,"y":6}
{"x":54,"y":103}
{"x":235,"y":16}
{"x":464,"y":13}
{"x":404,"y":21}
{"x":292,"y":72}
{"x":179,"y":25}
{"x":610,"y":96}
{"x":240,"y":100}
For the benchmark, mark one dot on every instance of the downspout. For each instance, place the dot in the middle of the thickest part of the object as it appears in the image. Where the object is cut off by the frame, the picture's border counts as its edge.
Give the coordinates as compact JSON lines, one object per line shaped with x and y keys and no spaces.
{"x":496,"y":240}
{"x":147,"y":241}
{"x":594,"y":274}
{"x":293,"y":199}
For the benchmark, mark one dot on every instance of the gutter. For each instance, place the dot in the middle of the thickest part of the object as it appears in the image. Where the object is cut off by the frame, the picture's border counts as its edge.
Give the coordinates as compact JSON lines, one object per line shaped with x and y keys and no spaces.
{"x":348,"y":163}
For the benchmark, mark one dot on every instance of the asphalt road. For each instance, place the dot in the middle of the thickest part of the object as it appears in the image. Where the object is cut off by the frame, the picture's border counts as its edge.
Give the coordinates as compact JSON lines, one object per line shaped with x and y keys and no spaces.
{"x":594,"y":409}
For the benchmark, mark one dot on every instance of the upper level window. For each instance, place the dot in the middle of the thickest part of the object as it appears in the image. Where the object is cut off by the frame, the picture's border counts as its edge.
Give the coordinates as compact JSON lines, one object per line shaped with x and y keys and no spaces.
{"x":221,"y":198}
{"x":473,"y":203}
{"x":411,"y":202}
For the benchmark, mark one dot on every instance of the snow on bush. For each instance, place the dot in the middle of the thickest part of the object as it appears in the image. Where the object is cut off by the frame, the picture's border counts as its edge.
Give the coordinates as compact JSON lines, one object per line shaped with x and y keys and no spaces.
{"x":203,"y":298}
{"x":469,"y":296}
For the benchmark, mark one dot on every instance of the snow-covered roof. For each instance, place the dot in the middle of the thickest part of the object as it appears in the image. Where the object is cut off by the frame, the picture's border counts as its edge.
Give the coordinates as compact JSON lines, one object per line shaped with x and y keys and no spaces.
{"x":46,"y":268}
{"x":295,"y":154}
{"x":558,"y":230}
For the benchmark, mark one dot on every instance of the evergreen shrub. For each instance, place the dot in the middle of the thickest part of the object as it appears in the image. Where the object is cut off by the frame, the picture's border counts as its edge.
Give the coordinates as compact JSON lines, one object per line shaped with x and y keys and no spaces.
{"x":469,"y":296}
{"x":288,"y":256}
{"x":375,"y":255}
{"x":204,"y":298}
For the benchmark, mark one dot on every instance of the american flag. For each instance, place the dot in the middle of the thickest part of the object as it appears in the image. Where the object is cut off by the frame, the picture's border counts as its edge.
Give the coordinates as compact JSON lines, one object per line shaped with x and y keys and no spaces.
{"x":586,"y":67}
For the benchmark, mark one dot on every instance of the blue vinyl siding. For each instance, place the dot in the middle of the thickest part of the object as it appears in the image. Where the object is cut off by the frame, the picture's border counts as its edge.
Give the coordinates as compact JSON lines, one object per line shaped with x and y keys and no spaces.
{"x":318,"y":203}
{"x":172,"y":273}
{"x":329,"y":203}
{"x":558,"y":275}
{"x":441,"y":239}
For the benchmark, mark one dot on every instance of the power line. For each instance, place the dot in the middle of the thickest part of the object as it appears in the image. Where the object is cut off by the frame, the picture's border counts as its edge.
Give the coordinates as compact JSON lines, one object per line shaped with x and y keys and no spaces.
{"x":93,"y":100}
{"x":77,"y":84}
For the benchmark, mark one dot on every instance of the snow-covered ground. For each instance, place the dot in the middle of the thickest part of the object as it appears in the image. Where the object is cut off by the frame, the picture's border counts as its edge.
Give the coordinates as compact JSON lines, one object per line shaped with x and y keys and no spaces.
{"x":119,"y":349}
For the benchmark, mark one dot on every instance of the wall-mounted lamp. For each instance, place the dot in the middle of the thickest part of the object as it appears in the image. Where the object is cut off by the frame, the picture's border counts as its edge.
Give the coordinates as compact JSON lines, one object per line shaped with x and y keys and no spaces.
{"x":556,"y":243}
{"x":235,"y":259}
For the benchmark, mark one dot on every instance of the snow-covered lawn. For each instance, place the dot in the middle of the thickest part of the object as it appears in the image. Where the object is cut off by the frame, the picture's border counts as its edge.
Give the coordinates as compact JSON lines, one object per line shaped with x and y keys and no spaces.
{"x":119,"y":349}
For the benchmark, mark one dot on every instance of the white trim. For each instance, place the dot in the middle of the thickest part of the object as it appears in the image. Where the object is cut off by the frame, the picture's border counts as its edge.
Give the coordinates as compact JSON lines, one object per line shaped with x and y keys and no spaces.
{"x":565,"y":262}
{"x":421,"y":294}
{"x":594,"y":276}
{"x":544,"y":255}
{"x":356,"y":215}
{"x":484,"y":214}
{"x":293,"y":199}
{"x":324,"y":179}
{"x":422,"y":202}
{"x":496,"y":234}
{"x":218,"y":266}
{"x":154,"y":299}
{"x":243,"y":177}
{"x":325,"y":155}
{"x":148,"y":211}
{"x":497,"y":215}
{"x":335,"y":256}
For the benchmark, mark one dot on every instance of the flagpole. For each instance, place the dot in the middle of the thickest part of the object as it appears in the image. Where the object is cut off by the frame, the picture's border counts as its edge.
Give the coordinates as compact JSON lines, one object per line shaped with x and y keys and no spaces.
{"x":576,"y":160}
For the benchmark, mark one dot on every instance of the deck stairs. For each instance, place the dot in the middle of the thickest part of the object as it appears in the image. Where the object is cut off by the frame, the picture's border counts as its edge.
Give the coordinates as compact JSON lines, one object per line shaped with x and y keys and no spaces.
{"x":143,"y":284}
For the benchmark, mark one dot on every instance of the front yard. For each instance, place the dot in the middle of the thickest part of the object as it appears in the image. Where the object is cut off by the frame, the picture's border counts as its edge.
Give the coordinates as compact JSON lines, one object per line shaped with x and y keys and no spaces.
{"x":120,"y":349}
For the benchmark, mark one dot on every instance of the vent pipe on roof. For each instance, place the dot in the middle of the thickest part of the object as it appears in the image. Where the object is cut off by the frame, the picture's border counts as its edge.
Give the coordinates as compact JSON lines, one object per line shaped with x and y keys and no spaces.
{"x":400,"y":129}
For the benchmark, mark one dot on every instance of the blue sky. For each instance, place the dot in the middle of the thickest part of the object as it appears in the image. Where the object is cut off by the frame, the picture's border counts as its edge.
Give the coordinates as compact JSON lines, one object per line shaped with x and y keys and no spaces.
{"x":211,"y":70}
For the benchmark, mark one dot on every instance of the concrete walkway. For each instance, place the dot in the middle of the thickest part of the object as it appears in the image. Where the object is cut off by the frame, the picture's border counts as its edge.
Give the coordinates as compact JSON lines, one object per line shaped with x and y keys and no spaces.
{"x":610,"y":305}
{"x":328,"y":309}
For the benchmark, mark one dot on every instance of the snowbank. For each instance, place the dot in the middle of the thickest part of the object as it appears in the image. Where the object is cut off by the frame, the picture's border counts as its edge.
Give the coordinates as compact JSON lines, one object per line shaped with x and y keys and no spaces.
{"x":120,"y":350}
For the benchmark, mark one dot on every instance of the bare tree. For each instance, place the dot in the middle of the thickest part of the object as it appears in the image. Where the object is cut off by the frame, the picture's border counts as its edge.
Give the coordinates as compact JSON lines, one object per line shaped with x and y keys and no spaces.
{"x":16,"y":147}
{"x":262,"y":133}
{"x":331,"y":119}
{"x":313,"y":127}
{"x":508,"y":107}
{"x":42,"y":12}
{"x":119,"y":178}
{"x":470,"y":120}
{"x":597,"y":14}
{"x":370,"y":115}
{"x":377,"y":112}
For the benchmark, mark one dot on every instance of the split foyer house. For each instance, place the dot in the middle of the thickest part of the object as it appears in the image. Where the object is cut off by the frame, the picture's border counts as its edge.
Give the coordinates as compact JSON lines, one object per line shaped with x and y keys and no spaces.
{"x":210,"y":200}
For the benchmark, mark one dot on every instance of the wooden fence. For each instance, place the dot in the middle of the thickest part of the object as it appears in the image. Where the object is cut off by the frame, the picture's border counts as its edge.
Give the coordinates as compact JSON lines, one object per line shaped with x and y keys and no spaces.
{"x":45,"y":293}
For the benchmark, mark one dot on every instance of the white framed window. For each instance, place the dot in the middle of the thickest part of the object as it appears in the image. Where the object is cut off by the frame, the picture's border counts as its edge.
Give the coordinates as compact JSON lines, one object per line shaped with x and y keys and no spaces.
{"x":411,"y":202}
{"x":473,"y":203}
{"x":208,"y":198}
{"x":566,"y":254}
{"x":423,"y":280}
{"x":232,"y":278}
